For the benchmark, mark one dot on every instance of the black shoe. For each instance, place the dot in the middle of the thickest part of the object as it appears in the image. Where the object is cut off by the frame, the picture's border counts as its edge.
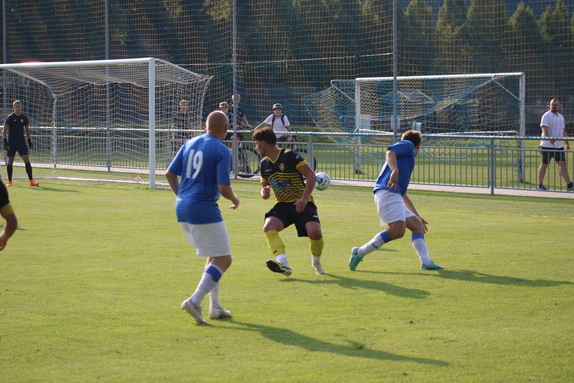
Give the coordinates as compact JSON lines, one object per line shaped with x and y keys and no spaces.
{"x":570,"y":187}
{"x":278,"y":267}
{"x":540,"y":187}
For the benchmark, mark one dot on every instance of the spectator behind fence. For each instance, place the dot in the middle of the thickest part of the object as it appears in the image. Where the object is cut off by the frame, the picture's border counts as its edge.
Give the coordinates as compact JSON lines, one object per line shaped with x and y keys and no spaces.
{"x":181,"y":121}
{"x":241,"y":118}
{"x":280,"y":124}
{"x":552,"y":125}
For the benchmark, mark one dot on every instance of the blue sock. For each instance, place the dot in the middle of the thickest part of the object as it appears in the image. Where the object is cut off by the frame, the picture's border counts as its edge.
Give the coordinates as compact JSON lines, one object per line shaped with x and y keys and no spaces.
{"x":210,"y":278}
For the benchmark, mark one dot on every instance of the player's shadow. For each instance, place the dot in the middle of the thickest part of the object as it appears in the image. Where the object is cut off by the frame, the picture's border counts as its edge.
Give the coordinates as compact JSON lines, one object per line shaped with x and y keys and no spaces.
{"x":475,"y":276}
{"x":357,"y":284}
{"x":54,"y":189}
{"x":354,"y":349}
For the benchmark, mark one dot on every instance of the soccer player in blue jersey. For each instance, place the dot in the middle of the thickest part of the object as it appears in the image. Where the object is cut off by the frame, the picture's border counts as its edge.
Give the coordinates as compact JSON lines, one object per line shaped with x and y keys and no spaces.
{"x":16,"y":130}
{"x":203,"y":165}
{"x":395,"y":208}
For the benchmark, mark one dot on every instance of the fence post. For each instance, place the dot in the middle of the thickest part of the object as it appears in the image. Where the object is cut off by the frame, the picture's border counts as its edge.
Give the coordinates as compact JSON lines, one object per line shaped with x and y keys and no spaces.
{"x":108,"y":149}
{"x":492,"y":166}
{"x":310,"y":151}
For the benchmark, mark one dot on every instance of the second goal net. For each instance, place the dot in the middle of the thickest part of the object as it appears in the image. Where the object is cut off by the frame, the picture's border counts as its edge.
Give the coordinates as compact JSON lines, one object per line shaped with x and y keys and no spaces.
{"x":466,"y":104}
{"x":106,"y":115}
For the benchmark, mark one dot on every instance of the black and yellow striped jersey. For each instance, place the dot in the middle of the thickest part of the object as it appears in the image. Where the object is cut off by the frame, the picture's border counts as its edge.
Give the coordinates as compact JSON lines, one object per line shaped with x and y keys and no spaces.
{"x":282,"y":174}
{"x":5,"y":206}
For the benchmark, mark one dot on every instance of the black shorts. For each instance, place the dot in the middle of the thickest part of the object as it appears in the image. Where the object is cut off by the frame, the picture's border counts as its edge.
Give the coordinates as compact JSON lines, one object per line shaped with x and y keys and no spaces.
{"x":556,"y":153}
{"x":284,"y":138}
{"x":286,"y":213}
{"x":19,"y":147}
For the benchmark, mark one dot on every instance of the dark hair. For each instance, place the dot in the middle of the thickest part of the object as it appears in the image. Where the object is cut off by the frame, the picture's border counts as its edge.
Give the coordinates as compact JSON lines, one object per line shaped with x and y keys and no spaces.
{"x":265,"y":134}
{"x":413,"y":136}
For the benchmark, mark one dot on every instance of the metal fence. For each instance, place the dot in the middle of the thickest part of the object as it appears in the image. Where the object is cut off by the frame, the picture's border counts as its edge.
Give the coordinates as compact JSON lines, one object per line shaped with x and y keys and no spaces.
{"x":495,"y":162}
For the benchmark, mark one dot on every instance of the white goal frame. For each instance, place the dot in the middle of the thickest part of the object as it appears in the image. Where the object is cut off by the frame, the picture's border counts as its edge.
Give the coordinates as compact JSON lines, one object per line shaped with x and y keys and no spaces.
{"x":151,"y":63}
{"x":360,"y":118}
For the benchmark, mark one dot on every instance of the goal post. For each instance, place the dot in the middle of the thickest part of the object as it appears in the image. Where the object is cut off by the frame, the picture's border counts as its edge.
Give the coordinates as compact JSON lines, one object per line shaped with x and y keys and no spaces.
{"x":484,"y":104}
{"x":105,"y":115}
{"x":487,"y":102}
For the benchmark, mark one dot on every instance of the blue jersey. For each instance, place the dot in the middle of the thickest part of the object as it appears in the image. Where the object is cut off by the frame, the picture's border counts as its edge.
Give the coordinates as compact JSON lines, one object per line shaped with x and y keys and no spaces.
{"x":405,"y":152}
{"x":203,"y":163}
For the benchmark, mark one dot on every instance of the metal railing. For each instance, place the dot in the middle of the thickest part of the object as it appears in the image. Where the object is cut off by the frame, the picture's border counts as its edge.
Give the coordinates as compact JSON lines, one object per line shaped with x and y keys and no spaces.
{"x":483,"y":161}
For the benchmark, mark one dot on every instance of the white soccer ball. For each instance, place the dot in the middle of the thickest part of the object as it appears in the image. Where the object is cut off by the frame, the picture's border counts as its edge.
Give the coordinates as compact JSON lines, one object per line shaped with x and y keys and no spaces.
{"x":323,"y":181}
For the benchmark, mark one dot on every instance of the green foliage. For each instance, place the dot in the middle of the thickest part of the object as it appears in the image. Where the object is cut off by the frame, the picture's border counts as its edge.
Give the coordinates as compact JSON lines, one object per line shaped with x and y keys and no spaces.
{"x":288,"y":49}
{"x":525,"y":26}
{"x":219,"y":9}
{"x":450,"y":42}
{"x":420,"y":49}
{"x":92,"y":281}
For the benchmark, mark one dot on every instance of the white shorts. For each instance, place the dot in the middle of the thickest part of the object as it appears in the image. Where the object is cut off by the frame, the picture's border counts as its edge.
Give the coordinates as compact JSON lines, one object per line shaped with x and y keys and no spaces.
{"x":391,"y":207}
{"x":210,"y":240}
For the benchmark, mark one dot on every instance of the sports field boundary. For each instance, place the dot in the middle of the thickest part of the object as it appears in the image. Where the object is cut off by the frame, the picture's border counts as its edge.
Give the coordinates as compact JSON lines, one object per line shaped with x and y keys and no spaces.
{"x":467,"y":189}
{"x":344,"y":182}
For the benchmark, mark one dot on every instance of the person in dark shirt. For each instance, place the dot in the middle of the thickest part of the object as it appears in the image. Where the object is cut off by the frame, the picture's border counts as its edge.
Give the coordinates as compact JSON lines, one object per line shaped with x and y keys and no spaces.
{"x":15,"y":132}
{"x":181,"y":121}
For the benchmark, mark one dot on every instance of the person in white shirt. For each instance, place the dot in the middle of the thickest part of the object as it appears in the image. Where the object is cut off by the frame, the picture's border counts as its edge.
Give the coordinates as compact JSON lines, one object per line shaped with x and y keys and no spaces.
{"x":552,"y":125}
{"x":280,"y":124}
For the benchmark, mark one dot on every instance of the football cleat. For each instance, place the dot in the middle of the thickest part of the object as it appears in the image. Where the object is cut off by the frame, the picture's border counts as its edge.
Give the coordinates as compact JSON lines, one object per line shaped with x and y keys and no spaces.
{"x":193,"y":310}
{"x":431,"y":266}
{"x":219,"y":313}
{"x":355,"y":259}
{"x":34,"y":183}
{"x":318,"y":268}
{"x":9,"y":183}
{"x":278,"y":267}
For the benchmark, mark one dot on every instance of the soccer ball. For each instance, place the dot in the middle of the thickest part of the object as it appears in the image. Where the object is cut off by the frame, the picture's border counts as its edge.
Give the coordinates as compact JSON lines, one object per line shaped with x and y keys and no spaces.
{"x":323,"y":181}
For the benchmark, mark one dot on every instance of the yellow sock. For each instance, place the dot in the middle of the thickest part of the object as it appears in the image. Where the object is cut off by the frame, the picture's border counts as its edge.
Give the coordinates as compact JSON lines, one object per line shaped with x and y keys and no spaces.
{"x":274,"y":242}
{"x":316,"y":246}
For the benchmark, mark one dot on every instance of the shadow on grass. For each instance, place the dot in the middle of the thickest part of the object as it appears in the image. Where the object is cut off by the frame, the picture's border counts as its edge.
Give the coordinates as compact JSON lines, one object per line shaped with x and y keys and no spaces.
{"x":355,"y":284}
{"x":475,"y":276}
{"x":53,"y":189}
{"x":290,"y":338}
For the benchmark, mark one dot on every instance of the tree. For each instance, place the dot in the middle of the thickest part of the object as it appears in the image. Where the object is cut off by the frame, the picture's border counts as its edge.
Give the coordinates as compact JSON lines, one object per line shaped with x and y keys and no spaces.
{"x":486,"y":33}
{"x":418,"y":34}
{"x":557,"y":35}
{"x":528,"y":52}
{"x":377,"y":19}
{"x":451,"y":51}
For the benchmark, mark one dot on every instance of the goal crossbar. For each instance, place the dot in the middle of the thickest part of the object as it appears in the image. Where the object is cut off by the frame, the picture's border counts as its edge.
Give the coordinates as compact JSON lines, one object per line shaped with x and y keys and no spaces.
{"x":157,"y":81}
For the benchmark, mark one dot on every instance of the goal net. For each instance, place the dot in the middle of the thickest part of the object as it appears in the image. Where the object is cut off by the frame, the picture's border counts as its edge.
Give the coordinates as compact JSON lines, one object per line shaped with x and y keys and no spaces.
{"x":113,"y":116}
{"x":472,"y":105}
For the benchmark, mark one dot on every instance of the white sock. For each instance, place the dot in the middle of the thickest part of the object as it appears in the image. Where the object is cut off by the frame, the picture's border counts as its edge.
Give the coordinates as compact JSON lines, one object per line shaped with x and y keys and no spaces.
{"x":198,"y":296}
{"x":209,"y":280}
{"x":316,"y":259}
{"x":214,"y":297}
{"x":421,"y":248}
{"x":283,"y":259}
{"x":374,"y":244}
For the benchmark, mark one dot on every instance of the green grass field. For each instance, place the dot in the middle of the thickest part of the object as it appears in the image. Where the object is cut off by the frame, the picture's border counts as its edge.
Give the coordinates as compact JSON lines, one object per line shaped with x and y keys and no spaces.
{"x":91,"y":286}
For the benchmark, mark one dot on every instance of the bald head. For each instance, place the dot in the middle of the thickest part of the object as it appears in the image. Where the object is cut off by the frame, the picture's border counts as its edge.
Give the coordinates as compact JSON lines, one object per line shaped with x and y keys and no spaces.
{"x":216,"y":123}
